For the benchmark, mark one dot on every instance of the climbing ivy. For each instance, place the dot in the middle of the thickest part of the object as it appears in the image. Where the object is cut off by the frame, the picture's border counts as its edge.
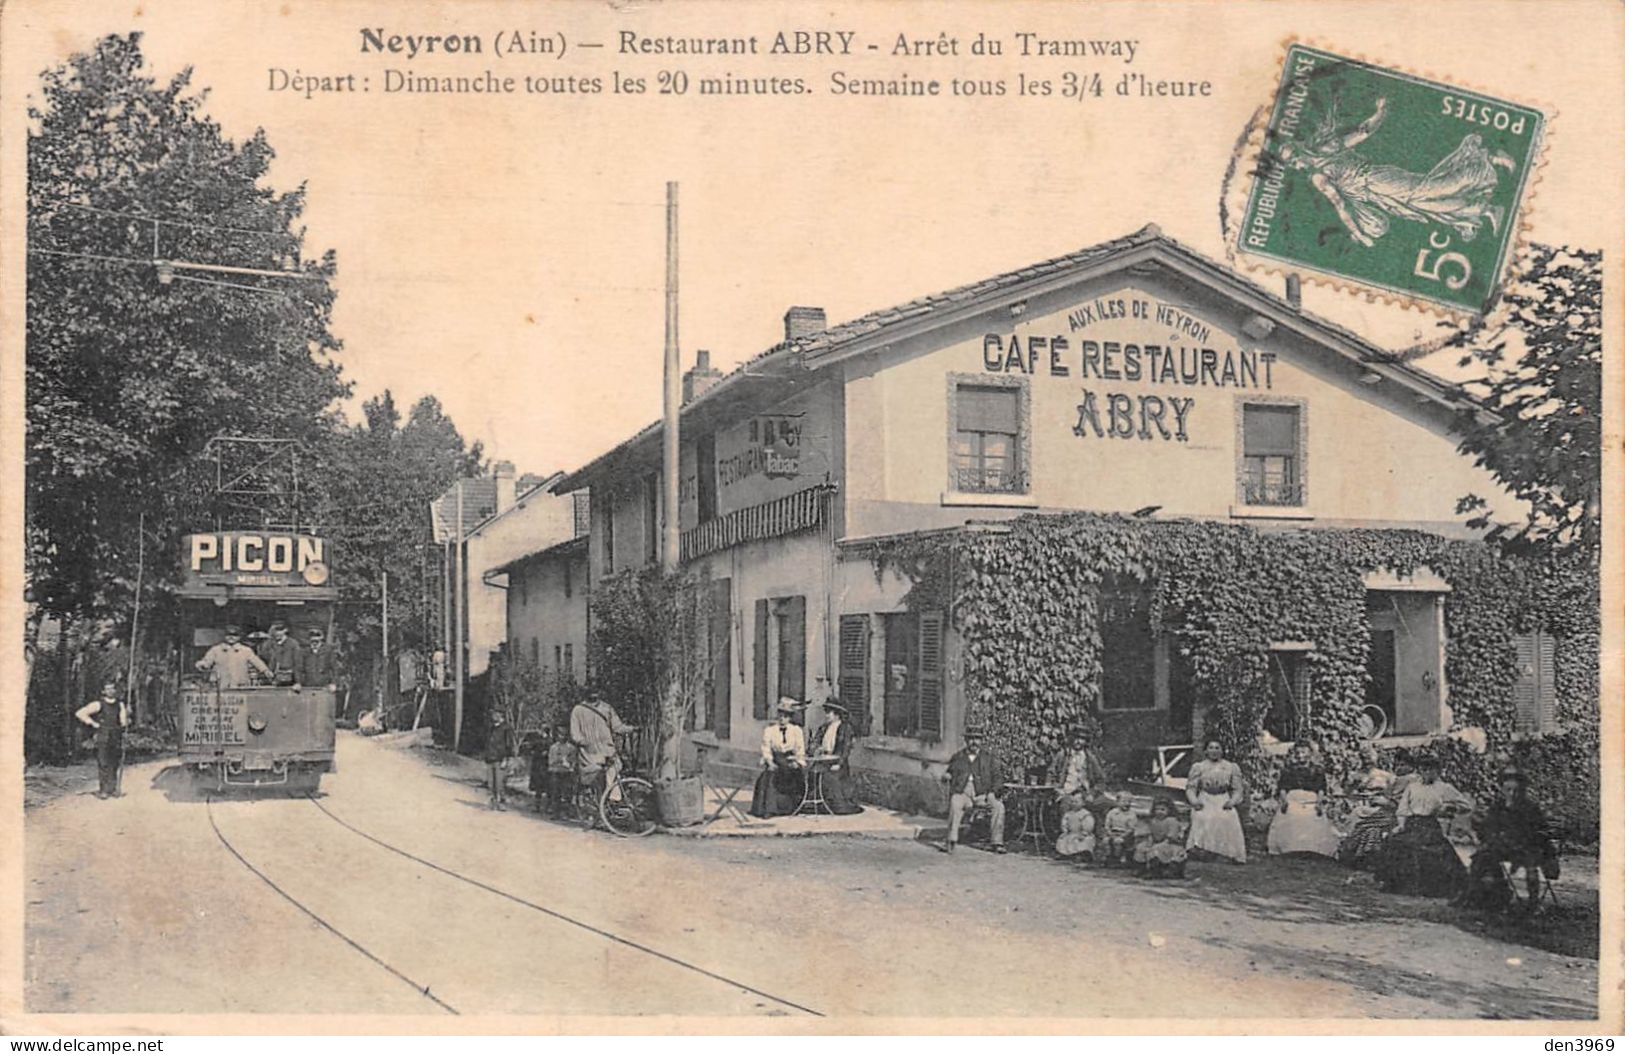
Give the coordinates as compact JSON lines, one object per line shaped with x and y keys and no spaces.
{"x":1025,"y":601}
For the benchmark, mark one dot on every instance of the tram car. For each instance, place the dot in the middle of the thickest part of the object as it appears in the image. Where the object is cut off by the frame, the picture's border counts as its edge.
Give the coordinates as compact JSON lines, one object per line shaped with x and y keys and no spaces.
{"x":238,"y":726}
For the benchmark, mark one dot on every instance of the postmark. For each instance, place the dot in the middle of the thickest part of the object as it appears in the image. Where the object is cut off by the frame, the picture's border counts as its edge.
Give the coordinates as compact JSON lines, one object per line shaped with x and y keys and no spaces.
{"x":1391,"y":181}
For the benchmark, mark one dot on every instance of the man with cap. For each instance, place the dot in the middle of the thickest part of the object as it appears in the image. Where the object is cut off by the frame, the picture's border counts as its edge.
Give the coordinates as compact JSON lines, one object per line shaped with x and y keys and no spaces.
{"x":594,"y":724}
{"x":109,"y":716}
{"x":231,"y":663}
{"x":784,"y":764}
{"x":974,"y":780}
{"x":317,"y":663}
{"x":283,"y":655}
{"x":834,"y":740}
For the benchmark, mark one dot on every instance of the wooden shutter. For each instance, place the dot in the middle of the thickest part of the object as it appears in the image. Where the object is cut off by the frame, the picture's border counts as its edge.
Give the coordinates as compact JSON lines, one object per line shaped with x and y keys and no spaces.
{"x":793,"y":647}
{"x":930,"y":723}
{"x":852,"y":680}
{"x":1534,"y":696}
{"x":759,"y":705}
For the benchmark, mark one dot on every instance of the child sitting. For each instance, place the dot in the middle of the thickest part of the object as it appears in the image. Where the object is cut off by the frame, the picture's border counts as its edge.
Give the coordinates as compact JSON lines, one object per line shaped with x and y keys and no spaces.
{"x":1077,"y":830}
{"x":1118,"y":847}
{"x":561,"y":773}
{"x":1165,"y":849}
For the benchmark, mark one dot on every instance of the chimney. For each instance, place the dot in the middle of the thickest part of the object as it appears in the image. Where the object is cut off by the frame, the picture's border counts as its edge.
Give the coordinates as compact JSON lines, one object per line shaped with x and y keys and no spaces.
{"x":699,"y":380}
{"x":803,"y":322}
{"x":503,"y":472}
{"x":1294,"y":291}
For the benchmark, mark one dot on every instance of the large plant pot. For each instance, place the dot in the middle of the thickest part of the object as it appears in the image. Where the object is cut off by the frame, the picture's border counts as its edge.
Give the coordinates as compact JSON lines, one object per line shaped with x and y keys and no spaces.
{"x":681,"y":802}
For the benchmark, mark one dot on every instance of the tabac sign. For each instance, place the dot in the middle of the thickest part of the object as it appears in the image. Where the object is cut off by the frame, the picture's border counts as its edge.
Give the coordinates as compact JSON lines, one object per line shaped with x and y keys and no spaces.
{"x":253,"y":558}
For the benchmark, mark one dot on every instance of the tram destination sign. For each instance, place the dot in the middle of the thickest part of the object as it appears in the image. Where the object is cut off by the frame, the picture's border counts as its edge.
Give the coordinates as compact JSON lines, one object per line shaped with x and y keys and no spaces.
{"x":253,"y":558}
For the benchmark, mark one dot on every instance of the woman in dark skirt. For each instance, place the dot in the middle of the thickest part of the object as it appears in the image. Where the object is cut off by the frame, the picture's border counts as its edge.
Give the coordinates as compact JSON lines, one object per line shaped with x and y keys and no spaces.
{"x":783,"y":778}
{"x":1417,"y":858}
{"x":834,"y":739}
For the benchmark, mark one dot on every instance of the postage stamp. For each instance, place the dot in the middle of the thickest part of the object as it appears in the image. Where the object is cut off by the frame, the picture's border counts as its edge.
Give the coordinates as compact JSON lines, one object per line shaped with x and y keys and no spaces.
{"x":1391,"y":181}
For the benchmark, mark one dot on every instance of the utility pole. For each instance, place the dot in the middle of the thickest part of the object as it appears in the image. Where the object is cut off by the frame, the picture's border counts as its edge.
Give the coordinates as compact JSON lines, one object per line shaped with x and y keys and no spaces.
{"x":457,"y":601}
{"x":384,"y":702}
{"x":671,"y":549}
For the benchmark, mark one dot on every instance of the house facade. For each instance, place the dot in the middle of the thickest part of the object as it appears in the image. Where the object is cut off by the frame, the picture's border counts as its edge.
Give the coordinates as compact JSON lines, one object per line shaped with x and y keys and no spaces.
{"x":1134,"y":378}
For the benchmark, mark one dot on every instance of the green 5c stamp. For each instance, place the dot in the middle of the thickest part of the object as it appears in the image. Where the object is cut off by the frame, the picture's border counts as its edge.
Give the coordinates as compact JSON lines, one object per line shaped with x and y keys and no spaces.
{"x":1391,"y":181}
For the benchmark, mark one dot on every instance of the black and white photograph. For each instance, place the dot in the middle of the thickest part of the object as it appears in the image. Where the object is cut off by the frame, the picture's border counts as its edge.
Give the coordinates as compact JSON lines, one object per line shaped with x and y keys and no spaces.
{"x":789,"y":518}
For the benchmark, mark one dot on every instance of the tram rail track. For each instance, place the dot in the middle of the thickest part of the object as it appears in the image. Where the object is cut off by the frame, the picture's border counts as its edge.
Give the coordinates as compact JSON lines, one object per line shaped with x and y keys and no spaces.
{"x":560,"y":916}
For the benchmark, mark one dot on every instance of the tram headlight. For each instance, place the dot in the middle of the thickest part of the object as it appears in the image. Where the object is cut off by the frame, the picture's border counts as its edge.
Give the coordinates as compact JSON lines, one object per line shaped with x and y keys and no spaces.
{"x":256,"y":723}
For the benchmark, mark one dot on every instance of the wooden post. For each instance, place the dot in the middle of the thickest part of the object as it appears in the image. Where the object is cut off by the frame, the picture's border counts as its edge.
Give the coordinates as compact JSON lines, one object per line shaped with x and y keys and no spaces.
{"x":670,"y":550}
{"x":457,"y":600}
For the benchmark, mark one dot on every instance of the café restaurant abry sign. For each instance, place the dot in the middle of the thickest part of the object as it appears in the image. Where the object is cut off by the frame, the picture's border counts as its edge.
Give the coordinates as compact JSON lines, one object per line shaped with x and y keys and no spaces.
{"x":254,"y":558}
{"x":1167,"y":355}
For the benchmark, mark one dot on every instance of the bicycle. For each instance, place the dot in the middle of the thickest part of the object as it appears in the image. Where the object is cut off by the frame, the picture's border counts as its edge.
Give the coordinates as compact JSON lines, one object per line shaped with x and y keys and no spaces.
{"x":628,"y":806}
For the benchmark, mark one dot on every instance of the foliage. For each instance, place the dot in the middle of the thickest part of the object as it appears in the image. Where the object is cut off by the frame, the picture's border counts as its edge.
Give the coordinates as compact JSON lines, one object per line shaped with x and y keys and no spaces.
{"x":646,"y":642}
{"x":128,"y":378}
{"x":1542,"y":344}
{"x":1026,"y":602}
{"x":371,"y":493}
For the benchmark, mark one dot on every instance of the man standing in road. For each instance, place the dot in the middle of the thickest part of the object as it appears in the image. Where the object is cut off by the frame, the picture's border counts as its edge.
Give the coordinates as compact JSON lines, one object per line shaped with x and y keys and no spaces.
{"x":594,"y":724}
{"x":974,"y":780}
{"x":229,"y":662}
{"x":317,"y":665}
{"x":109,"y":716}
{"x":283,"y":655}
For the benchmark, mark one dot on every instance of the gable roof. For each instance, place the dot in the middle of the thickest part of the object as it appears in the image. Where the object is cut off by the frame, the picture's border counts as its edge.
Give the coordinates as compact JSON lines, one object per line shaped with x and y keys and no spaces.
{"x":789,"y":361}
{"x":479,"y":502}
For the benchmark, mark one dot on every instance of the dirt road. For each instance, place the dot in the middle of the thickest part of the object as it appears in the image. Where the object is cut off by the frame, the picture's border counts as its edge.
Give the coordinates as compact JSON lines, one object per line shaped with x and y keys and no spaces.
{"x":397,"y":891}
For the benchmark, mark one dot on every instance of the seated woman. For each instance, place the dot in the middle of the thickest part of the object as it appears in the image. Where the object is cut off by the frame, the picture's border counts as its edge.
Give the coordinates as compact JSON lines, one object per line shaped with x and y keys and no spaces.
{"x":1417,"y":858}
{"x":1117,"y":846}
{"x":1077,"y":837}
{"x":1300,"y":827}
{"x":1373,"y":819}
{"x":1215,"y":788}
{"x":784,"y":765}
{"x":1513,"y":833}
{"x":1162,"y":851}
{"x":834,"y":739}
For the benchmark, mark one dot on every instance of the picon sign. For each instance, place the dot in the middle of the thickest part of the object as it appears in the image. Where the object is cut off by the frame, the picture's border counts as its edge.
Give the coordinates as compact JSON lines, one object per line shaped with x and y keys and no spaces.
{"x":254,"y":558}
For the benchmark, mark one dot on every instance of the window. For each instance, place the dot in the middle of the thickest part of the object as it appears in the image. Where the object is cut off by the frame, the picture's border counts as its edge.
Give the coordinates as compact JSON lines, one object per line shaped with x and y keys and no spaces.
{"x":581,"y":506}
{"x":569,"y":578}
{"x":1272,"y":458}
{"x":535,"y":650}
{"x":558,"y":658}
{"x":651,"y":520}
{"x":1128,"y":652}
{"x":1289,"y":715}
{"x":912,"y":704}
{"x":987,"y":440}
{"x":705,"y":467}
{"x":524,"y":593}
{"x":780,"y":652}
{"x":1534,"y":697}
{"x":609,"y":537}
{"x":569,"y":667}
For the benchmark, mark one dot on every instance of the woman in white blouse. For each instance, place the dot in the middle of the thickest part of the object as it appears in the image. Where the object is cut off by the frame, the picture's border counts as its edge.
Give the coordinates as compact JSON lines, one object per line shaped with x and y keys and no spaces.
{"x":1418,"y":858}
{"x":1216,"y":790}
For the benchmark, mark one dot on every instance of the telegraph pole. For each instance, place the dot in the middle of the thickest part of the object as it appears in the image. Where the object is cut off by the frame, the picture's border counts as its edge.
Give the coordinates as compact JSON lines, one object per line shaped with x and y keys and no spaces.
{"x":670,"y":549}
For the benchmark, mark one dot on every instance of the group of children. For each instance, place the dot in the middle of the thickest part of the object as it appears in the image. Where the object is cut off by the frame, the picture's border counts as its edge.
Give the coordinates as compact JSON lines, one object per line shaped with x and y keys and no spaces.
{"x":552,"y":760}
{"x":1155,"y":845}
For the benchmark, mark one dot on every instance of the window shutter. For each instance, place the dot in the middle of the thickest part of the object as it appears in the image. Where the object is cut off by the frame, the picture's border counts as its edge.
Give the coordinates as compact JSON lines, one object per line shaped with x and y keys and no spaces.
{"x":793,"y":648}
{"x":1526,"y":714}
{"x":758,"y":706}
{"x":930,"y":723}
{"x":852,"y":681}
{"x":1546,"y":682}
{"x":988,"y":409}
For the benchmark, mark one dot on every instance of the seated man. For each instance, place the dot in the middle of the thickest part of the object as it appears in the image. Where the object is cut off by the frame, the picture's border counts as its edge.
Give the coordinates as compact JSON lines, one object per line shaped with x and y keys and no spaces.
{"x":974,"y":780}
{"x":1513,"y":832}
{"x":784,"y":765}
{"x":594,"y":724}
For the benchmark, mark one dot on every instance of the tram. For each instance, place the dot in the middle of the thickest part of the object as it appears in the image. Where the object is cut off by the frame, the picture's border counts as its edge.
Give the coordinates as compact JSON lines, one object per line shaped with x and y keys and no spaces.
{"x":256,"y":734}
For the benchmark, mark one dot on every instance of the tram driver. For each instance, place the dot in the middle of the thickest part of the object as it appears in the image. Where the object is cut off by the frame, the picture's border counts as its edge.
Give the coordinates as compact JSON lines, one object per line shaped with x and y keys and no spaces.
{"x":231,"y":663}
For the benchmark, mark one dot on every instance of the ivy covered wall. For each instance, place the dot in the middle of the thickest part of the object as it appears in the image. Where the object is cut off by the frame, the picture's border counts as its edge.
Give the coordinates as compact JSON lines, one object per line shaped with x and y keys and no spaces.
{"x":1025,"y":602}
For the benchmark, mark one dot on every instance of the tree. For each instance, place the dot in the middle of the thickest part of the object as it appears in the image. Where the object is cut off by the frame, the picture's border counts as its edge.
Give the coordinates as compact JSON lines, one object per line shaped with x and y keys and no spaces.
{"x":132,"y":368}
{"x":1542,"y":344}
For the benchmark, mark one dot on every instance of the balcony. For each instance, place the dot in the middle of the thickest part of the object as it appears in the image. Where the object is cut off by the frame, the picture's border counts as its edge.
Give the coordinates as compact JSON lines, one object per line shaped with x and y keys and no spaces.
{"x":1272,"y":492}
{"x":989,"y":479}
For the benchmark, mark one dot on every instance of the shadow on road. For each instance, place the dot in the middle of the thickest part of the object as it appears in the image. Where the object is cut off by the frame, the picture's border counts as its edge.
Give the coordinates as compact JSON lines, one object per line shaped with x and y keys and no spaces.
{"x":181,"y":783}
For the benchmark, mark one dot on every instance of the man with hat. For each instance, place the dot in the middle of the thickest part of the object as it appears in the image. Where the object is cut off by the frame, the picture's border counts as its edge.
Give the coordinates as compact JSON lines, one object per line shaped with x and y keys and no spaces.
{"x":1513,"y":833}
{"x":231,"y":663}
{"x":283,"y":655}
{"x":594,"y":724}
{"x":974,"y":780}
{"x":784,"y":764}
{"x":834,"y":740}
{"x":318,"y":666}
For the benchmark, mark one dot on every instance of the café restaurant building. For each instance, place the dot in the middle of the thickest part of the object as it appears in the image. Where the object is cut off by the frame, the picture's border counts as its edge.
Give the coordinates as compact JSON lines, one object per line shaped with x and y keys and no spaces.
{"x":1135,"y":377}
